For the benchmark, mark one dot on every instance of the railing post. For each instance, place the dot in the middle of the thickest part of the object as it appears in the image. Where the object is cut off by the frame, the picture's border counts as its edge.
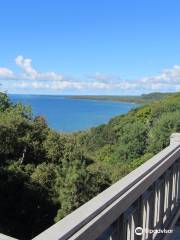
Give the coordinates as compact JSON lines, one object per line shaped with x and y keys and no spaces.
{"x":175,"y":138}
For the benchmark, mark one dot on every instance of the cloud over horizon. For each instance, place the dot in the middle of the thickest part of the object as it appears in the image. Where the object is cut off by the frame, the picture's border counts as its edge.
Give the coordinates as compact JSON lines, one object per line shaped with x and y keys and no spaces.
{"x":29,"y":77}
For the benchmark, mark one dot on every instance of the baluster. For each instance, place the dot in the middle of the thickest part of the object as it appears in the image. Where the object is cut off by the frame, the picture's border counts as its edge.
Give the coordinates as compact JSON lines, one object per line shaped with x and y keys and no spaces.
{"x":156,"y":205}
{"x":170,"y":191}
{"x":161,"y":196}
{"x":147,"y":213}
{"x":132,"y":227}
{"x":130,"y":222}
{"x":158,"y":202}
{"x":174,"y":179}
{"x":166,"y":196}
{"x":178,"y":183}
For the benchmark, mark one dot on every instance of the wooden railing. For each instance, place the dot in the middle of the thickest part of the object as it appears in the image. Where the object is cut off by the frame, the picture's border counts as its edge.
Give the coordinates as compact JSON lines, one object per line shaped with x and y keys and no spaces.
{"x":143,"y":205}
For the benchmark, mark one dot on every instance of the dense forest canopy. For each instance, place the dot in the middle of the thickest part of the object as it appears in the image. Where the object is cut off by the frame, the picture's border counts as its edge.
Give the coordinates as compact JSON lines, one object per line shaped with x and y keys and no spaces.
{"x":44,"y":175}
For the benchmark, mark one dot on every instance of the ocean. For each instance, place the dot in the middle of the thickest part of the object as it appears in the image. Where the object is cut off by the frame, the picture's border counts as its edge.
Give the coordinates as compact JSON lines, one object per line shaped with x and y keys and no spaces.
{"x":69,"y":115}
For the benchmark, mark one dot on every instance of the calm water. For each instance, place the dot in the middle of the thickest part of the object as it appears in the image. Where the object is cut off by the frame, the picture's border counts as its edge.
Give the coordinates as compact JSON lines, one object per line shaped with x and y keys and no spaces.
{"x":64,"y":114}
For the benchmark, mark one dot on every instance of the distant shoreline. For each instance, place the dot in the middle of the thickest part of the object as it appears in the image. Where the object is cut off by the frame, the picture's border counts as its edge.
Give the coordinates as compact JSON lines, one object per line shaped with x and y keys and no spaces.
{"x":141,"y":99}
{"x":129,"y":99}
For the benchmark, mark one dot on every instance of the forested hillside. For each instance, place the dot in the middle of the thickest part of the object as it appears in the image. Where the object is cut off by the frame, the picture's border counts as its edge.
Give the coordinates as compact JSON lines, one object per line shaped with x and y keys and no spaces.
{"x":129,"y":140}
{"x":143,"y":99}
{"x":44,"y":175}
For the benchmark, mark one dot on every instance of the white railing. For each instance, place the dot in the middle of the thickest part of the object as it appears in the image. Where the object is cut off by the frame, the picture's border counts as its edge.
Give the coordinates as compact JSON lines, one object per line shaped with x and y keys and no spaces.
{"x":4,"y":237}
{"x":148,"y":198}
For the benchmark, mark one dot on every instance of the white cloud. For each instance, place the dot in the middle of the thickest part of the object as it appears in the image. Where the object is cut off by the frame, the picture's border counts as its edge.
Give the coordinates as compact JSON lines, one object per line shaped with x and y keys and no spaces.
{"x":26,"y":65}
{"x":32,"y":84}
{"x":101,"y":77}
{"x":32,"y":74}
{"x":168,"y":76}
{"x":6,"y":73}
{"x":167,"y":80}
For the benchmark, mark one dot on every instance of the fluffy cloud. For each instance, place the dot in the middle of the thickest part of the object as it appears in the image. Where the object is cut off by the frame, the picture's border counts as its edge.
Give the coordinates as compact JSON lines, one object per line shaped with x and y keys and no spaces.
{"x":167,"y":80}
{"x":105,"y":78}
{"x":26,"y":65}
{"x":168,"y":76}
{"x":32,"y":74}
{"x":6,"y":73}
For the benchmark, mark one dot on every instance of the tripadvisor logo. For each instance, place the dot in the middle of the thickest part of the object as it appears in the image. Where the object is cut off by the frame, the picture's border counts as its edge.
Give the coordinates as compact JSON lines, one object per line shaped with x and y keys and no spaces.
{"x":140,"y":231}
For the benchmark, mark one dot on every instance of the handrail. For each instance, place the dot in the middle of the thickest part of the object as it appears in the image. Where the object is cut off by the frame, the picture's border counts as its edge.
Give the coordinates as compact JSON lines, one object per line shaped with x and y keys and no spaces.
{"x":4,"y":237}
{"x":95,"y":216}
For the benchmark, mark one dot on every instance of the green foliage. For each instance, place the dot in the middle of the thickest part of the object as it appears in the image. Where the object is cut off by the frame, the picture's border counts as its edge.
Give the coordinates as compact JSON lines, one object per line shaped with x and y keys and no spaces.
{"x":105,"y":153}
{"x":97,"y":137}
{"x":132,"y":144}
{"x":159,"y":135}
{"x":12,"y":128}
{"x":20,"y":136}
{"x":4,"y":102}
{"x":44,"y":175}
{"x":142,"y":132}
{"x":75,"y":185}
{"x":25,"y":209}
{"x":54,"y":145}
{"x":70,"y":187}
{"x":143,"y":114}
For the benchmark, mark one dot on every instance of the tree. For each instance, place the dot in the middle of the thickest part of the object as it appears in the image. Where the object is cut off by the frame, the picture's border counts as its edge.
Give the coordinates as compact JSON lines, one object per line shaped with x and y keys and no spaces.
{"x":25,"y":207}
{"x":44,"y":175}
{"x":4,"y":102}
{"x":159,"y":135}
{"x":75,"y":184}
{"x":54,"y":146}
{"x":132,"y":143}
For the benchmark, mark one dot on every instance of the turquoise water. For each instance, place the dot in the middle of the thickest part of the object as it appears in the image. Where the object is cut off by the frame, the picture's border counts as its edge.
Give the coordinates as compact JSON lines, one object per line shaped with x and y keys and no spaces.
{"x":68,"y":115}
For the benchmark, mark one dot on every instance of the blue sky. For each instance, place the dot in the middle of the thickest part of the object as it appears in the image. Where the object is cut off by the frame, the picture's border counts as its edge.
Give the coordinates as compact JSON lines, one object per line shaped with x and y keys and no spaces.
{"x":89,"y":47}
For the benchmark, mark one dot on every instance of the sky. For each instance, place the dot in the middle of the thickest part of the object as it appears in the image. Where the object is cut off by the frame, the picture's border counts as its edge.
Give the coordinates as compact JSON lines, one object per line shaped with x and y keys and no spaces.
{"x":110,"y":47}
